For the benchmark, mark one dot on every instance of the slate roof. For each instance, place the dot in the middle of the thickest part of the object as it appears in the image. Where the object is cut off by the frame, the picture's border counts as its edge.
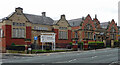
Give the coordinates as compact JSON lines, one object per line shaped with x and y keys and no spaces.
{"x":36,"y":19}
{"x":104,"y":25}
{"x":10,"y":14}
{"x":75,"y":22}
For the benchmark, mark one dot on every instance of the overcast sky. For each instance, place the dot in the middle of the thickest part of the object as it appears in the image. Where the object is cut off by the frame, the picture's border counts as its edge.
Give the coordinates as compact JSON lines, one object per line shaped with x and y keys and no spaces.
{"x":106,"y":10}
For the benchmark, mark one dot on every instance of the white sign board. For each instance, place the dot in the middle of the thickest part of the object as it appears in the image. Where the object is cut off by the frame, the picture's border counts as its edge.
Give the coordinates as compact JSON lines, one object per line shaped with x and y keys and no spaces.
{"x":47,"y":38}
{"x":29,"y":49}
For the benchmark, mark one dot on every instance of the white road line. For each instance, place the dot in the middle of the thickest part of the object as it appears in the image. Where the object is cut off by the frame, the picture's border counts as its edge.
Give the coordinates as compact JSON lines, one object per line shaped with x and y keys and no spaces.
{"x":94,"y":56}
{"x":72,"y":60}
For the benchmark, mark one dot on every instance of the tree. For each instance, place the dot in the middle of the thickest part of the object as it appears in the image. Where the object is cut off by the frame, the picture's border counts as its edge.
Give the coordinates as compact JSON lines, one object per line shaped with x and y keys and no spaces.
{"x":13,"y":44}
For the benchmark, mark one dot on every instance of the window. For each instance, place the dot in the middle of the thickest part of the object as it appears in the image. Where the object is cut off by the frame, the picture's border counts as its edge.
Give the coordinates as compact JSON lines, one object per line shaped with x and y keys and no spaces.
{"x":113,"y":36}
{"x":88,"y":27}
{"x":14,"y":31}
{"x":76,"y":35}
{"x":63,"y":35}
{"x":63,"y":28}
{"x":113,"y":30}
{"x":95,"y":24}
{"x":23,"y":24}
{"x":40,"y":28}
{"x":18,"y":33}
{"x":1,"y":33}
{"x":88,"y":35}
{"x":35,"y":27}
{"x":94,"y":36}
{"x":18,"y":24}
{"x":23,"y":33}
{"x":13,"y":23}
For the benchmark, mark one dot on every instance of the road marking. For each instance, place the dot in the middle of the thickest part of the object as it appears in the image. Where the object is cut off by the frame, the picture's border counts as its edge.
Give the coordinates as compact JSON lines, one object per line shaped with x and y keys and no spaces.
{"x":94,"y":56}
{"x":72,"y":60}
{"x":57,"y":62}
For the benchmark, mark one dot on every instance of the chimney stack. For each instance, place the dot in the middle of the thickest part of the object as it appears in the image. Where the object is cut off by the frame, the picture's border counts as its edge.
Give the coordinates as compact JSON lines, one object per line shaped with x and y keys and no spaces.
{"x":95,"y":16}
{"x":43,"y":13}
{"x":83,"y":18}
{"x":63,"y":16}
{"x":19,"y":9}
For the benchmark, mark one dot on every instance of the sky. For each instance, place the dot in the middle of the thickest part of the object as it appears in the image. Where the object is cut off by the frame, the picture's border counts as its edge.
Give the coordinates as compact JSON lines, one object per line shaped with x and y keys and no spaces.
{"x":106,"y":10}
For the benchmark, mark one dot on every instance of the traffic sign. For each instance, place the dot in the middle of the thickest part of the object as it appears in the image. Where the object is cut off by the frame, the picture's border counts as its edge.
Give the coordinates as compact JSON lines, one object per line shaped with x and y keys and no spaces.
{"x":35,"y":38}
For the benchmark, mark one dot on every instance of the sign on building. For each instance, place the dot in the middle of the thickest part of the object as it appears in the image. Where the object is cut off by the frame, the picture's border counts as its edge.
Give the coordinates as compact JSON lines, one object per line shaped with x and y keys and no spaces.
{"x":47,"y":38}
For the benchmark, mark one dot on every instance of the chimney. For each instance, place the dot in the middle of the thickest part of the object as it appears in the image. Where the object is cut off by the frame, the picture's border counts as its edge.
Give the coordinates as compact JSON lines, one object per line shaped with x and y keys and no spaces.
{"x":95,"y":16}
{"x":83,"y":18}
{"x":19,"y":9}
{"x":43,"y":13}
{"x":63,"y":16}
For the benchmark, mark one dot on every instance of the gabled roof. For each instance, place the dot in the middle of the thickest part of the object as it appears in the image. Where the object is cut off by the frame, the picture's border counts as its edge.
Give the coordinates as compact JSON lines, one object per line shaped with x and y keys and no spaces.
{"x":75,"y":22}
{"x":104,"y":25}
{"x":10,"y":14}
{"x":36,"y":19}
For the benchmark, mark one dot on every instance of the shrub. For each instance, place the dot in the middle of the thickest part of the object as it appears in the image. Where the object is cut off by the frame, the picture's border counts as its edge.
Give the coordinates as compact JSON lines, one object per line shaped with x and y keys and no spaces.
{"x":91,"y":42}
{"x":80,"y":43}
{"x":17,"y":48}
{"x":99,"y":42}
{"x":70,"y":43}
{"x":116,"y":41}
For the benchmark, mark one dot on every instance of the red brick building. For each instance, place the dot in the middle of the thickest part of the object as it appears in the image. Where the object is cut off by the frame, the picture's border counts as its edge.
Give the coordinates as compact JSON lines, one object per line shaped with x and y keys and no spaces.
{"x":20,"y":28}
{"x":88,"y":29}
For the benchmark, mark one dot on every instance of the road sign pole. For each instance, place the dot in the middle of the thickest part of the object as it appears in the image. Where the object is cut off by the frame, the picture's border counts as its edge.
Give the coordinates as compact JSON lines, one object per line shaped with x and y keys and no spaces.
{"x":54,"y":46}
{"x":42,"y":46}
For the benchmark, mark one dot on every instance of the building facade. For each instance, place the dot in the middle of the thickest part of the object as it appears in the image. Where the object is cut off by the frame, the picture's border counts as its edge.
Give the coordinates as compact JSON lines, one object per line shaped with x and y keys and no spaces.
{"x":20,"y":28}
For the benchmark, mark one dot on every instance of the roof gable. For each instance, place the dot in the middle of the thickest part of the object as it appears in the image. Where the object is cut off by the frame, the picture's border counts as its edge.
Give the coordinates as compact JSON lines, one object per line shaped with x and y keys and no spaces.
{"x":62,"y":21}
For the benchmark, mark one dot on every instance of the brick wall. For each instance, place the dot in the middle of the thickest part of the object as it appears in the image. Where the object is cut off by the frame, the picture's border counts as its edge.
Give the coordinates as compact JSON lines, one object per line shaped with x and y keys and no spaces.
{"x":62,"y":43}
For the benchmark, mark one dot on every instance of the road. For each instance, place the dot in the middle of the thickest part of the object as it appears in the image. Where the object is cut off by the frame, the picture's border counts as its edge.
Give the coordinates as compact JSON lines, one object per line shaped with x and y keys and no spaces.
{"x":108,"y":55}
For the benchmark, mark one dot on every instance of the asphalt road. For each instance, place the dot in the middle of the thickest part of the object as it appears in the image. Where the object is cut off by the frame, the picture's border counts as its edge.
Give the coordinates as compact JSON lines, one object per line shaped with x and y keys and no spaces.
{"x":92,"y":56}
